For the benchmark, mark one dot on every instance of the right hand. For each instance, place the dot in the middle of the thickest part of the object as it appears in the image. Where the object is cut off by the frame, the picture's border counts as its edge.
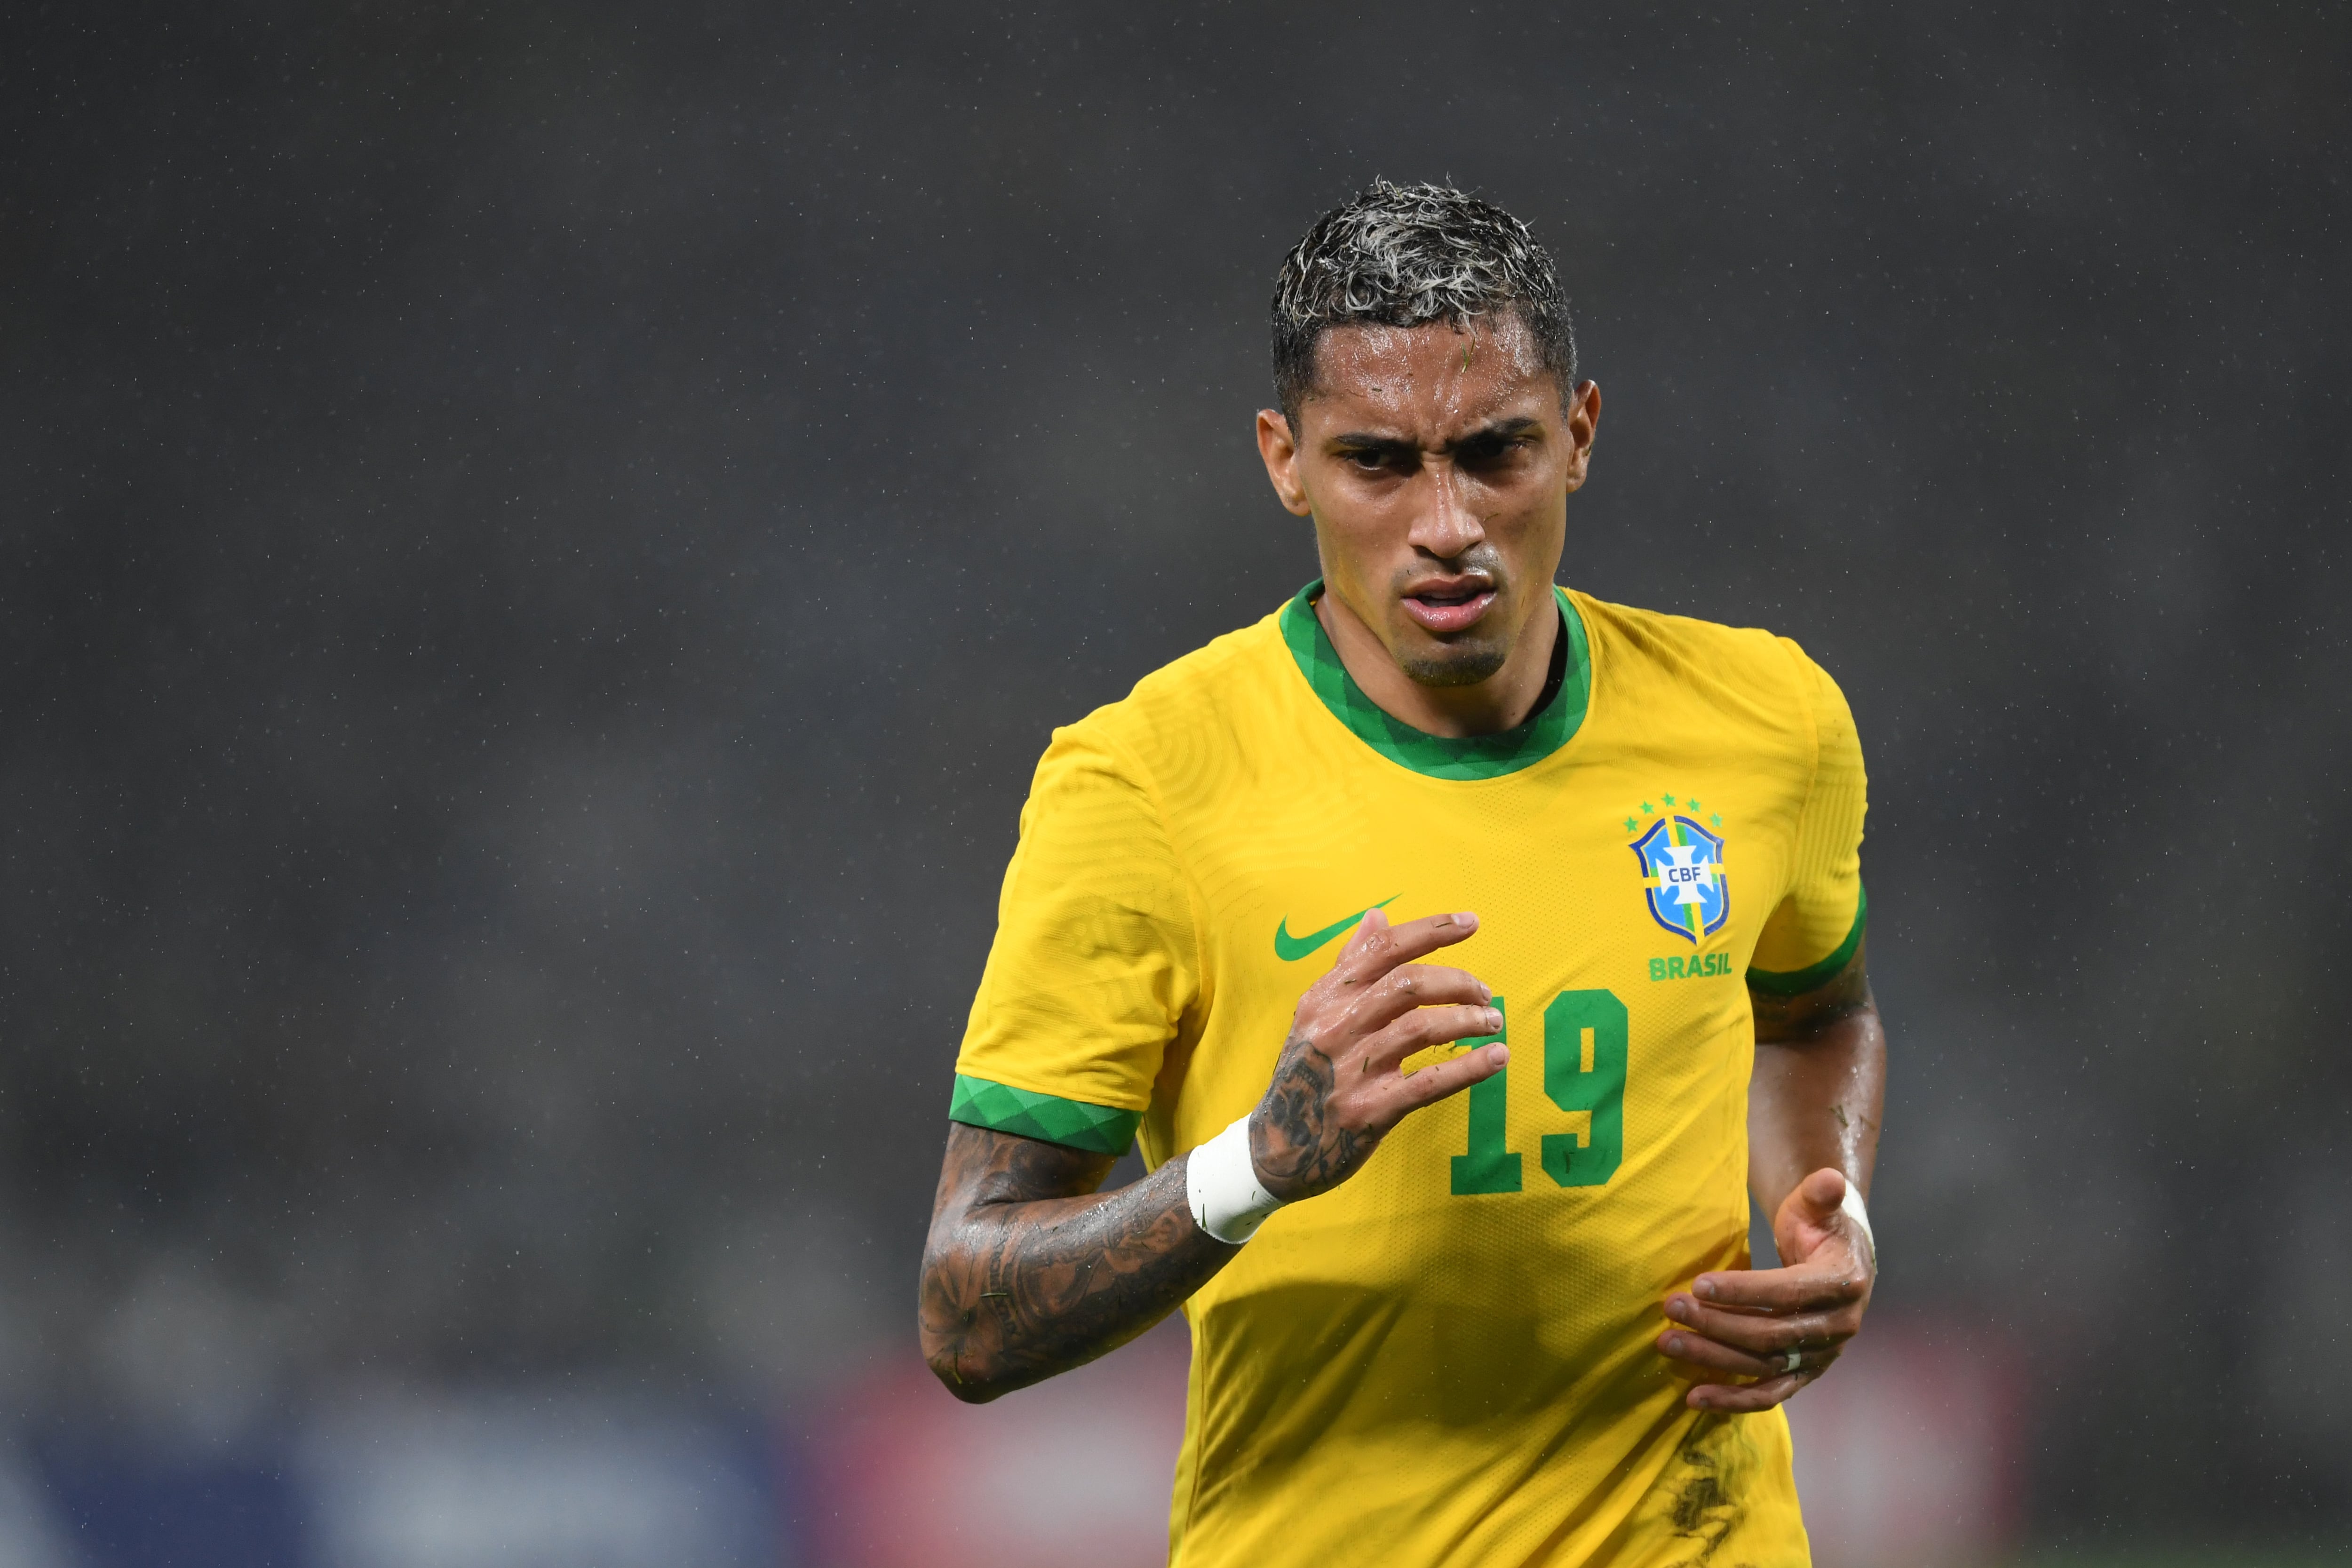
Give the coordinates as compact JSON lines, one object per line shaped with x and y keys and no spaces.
{"x":1336,"y":1090}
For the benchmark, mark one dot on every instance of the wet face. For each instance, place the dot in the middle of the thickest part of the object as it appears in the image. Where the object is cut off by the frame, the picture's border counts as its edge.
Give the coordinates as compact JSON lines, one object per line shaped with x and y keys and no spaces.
{"x":1436,"y":464}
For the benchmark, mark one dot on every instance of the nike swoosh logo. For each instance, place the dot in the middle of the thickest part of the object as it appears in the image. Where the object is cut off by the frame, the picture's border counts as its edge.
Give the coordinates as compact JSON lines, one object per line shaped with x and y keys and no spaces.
{"x":1291,"y":949}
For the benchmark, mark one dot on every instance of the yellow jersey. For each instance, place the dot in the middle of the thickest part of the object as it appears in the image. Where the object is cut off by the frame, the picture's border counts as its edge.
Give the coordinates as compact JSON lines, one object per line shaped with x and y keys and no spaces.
{"x":1450,"y":1358}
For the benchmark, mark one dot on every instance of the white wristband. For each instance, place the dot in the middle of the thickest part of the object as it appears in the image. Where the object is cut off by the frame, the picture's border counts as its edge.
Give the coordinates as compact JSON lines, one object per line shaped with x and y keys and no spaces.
{"x":1854,"y":1211}
{"x":1221,"y":1182}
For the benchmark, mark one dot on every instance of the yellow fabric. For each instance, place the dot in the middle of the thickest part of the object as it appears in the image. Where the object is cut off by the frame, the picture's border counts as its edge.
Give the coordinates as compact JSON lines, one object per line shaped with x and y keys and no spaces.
{"x":1399,"y":1372}
{"x":1827,"y":877}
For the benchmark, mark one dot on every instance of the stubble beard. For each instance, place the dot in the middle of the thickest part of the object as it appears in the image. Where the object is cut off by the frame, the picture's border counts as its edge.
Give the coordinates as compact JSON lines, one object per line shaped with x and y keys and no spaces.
{"x":1478,"y":653}
{"x":1455,"y":666}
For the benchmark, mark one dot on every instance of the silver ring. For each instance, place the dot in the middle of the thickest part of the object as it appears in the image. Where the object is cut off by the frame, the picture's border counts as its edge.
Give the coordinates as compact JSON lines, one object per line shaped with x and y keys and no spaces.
{"x":1789,"y":1364}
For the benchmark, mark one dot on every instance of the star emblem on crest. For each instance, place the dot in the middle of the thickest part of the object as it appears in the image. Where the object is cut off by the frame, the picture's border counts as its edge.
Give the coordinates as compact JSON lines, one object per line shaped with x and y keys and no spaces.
{"x":1684,"y":877}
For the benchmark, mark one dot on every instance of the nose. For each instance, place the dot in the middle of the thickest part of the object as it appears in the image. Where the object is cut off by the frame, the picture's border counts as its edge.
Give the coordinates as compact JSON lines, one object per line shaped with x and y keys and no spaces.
{"x":1444,"y":525}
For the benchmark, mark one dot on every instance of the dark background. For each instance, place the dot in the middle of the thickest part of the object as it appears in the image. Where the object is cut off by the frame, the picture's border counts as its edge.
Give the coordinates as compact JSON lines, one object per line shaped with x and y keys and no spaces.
{"x":542,"y":544}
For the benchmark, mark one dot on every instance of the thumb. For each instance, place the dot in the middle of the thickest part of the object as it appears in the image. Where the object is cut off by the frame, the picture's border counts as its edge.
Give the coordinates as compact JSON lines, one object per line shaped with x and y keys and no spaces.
{"x":1822,"y":1193}
{"x":1810,"y":1214}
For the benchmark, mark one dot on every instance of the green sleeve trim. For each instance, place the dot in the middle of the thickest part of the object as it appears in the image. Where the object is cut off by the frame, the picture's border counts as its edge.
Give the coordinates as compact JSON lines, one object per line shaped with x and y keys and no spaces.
{"x":1796,"y":982}
{"x":1072,"y":1123}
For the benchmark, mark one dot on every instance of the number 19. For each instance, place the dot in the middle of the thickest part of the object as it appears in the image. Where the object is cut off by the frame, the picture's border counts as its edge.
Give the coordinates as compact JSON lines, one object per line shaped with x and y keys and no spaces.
{"x":1585,"y":1034}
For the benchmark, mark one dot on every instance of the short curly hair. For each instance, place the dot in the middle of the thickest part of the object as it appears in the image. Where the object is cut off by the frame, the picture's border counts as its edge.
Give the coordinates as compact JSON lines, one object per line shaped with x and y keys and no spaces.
{"x":1404,"y":256}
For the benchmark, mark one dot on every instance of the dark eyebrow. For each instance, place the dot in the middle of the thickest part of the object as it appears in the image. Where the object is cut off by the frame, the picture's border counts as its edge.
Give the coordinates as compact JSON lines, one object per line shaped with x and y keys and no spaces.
{"x":1501,"y":430}
{"x":1485,"y":436}
{"x":1365,"y":441}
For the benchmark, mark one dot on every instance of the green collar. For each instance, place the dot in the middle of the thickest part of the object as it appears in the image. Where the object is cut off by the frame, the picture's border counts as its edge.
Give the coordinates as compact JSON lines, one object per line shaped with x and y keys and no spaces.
{"x":1439,"y":756}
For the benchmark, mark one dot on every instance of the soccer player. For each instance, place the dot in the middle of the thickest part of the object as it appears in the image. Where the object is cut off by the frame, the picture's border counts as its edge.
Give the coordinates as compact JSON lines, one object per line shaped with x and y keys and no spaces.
{"x":1466,"y":952}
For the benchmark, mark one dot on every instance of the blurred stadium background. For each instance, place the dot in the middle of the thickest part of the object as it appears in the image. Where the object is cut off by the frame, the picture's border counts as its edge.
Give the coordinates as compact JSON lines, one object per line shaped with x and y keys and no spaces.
{"x":541,"y":543}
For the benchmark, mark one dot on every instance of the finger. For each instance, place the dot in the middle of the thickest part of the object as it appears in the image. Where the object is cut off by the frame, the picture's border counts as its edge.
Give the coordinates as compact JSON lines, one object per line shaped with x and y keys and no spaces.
{"x":1411,"y":985}
{"x":1378,"y":947}
{"x":1748,"y":1398}
{"x":1424,"y":1027}
{"x":1433,"y":1083}
{"x":1827,"y":1280}
{"x":1765,"y":1336}
{"x":1698,"y":1351}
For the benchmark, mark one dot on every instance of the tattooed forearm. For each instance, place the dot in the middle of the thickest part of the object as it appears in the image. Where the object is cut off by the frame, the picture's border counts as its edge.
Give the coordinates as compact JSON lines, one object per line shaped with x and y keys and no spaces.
{"x":1298,"y":1146}
{"x":1029,"y":1272}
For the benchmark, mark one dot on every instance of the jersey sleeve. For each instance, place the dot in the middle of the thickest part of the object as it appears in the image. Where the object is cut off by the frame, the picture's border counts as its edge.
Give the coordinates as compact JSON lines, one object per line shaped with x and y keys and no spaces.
{"x":1814,"y":931}
{"x":1094,"y":962}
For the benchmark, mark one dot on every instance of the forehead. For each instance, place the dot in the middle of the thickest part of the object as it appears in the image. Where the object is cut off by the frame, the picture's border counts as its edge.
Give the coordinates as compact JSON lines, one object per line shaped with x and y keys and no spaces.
{"x":1432,"y":380}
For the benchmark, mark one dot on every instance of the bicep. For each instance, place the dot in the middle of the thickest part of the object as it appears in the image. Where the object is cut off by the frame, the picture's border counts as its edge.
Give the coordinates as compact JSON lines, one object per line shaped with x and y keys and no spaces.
{"x":1787,"y":1019}
{"x":984,"y":1168}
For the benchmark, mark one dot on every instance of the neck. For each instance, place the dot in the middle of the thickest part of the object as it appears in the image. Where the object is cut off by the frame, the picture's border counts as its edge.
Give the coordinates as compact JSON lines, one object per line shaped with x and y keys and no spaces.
{"x":1504,"y":700}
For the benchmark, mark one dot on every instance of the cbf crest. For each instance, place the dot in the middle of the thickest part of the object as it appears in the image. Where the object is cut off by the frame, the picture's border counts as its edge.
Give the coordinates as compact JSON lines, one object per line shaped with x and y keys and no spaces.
{"x":1683,"y":878}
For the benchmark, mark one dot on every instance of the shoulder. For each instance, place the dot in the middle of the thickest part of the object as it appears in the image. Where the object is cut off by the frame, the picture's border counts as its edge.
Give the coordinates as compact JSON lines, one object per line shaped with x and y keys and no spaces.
{"x":1190,"y":709}
{"x":1646,"y":656}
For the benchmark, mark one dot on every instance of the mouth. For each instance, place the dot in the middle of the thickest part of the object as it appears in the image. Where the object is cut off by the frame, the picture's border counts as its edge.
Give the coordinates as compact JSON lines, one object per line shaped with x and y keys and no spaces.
{"x":1449,"y":605}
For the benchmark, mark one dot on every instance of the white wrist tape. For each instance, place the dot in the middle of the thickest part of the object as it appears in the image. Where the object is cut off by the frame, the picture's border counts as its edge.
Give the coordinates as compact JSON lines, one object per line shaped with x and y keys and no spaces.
{"x":1854,"y":1211}
{"x":1221,"y":1182}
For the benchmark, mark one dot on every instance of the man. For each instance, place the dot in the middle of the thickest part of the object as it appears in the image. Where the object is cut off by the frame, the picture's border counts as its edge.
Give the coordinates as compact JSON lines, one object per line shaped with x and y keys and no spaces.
{"x":1463,"y":1245}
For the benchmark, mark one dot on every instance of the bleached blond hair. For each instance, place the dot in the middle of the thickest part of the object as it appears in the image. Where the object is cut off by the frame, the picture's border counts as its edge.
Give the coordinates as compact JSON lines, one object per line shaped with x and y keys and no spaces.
{"x":1405,"y":255}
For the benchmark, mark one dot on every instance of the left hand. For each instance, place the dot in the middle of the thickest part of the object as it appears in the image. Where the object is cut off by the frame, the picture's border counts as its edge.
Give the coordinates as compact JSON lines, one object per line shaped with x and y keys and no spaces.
{"x":1744,"y":1323}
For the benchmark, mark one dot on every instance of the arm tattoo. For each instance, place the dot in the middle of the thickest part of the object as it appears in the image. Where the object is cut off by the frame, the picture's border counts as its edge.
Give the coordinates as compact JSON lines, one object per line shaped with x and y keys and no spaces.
{"x":1299,"y":1148}
{"x":1029,"y":1272}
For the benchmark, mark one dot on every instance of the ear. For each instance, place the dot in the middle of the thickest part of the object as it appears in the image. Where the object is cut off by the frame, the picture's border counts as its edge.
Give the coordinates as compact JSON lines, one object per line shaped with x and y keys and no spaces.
{"x":1583,"y":419}
{"x":1276,"y":444}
